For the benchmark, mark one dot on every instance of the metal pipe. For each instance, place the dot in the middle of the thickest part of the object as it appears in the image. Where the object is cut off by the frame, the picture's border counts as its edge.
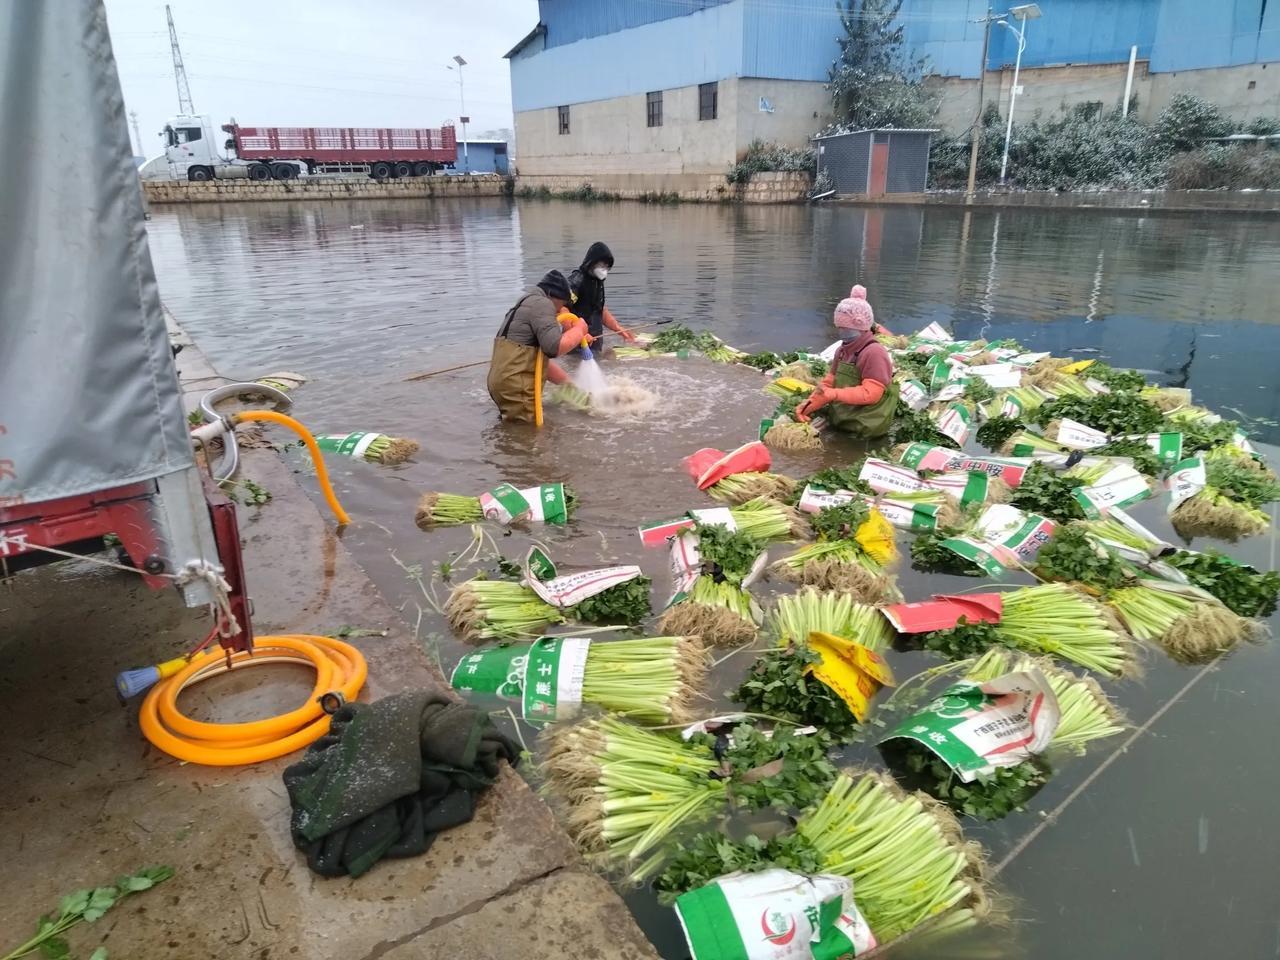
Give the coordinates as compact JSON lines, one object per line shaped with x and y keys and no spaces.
{"x":1128,"y":81}
{"x":1013,"y":95}
{"x":230,"y":462}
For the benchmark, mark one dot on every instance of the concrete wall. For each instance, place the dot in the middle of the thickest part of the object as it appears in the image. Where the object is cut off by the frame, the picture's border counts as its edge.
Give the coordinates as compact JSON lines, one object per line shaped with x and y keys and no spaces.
{"x":1049,"y":89}
{"x":228,"y":191}
{"x":800,"y":109}
{"x":613,"y":137}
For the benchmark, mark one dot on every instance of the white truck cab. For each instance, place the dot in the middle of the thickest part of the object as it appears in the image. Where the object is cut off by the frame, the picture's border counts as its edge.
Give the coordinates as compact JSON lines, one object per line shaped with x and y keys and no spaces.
{"x":197,"y":150}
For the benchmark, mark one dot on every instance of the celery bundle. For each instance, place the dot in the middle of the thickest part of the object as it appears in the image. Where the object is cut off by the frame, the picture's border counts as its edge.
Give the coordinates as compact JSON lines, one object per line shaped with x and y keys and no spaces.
{"x":650,"y":680}
{"x":719,"y":612}
{"x":843,"y":566}
{"x":904,"y":853}
{"x":375,"y":448}
{"x":568,"y":395}
{"x":1086,"y":712}
{"x":787,"y":435}
{"x":1025,"y":438}
{"x":1229,"y":504}
{"x":1190,"y":629}
{"x":1057,"y":620}
{"x":627,"y":788}
{"x":738,"y":488}
{"x":498,"y":609}
{"x":1166,"y":399}
{"x":452,"y":509}
{"x":812,"y":611}
{"x":767,"y":521}
{"x":1049,"y":619}
{"x":482,"y":609}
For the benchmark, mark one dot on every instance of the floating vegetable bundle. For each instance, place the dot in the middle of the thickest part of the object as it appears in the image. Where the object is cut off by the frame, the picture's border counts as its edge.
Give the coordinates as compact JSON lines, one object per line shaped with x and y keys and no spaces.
{"x":627,"y":789}
{"x":373,"y":447}
{"x":721,"y":613}
{"x":482,"y":609}
{"x":630,"y":790}
{"x":767,"y":520}
{"x":1085,"y":714}
{"x":498,"y":609}
{"x":1240,"y":587}
{"x":904,"y":853}
{"x":452,"y":509}
{"x":650,"y":680}
{"x":855,"y":548}
{"x":813,"y":611}
{"x":1189,"y":628}
{"x":1228,"y":505}
{"x":1050,"y":619}
{"x":788,"y":435}
{"x":738,"y":488}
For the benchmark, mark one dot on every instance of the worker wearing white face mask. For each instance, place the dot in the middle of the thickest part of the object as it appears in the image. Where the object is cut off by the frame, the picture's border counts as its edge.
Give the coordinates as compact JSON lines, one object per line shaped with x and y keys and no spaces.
{"x":588,"y":283}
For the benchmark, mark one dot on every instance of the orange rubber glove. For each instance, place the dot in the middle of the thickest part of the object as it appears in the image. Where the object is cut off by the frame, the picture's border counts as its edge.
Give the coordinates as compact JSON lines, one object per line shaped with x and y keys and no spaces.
{"x":863,"y":395}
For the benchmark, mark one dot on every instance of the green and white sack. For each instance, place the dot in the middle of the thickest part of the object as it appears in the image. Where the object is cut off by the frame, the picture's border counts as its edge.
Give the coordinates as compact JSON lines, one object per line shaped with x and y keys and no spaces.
{"x":976,"y":728}
{"x":1121,"y":486}
{"x":351,"y":445}
{"x":774,"y":915}
{"x":542,"y":504}
{"x":1005,"y":537}
{"x":1187,"y":479}
{"x":541,"y":576}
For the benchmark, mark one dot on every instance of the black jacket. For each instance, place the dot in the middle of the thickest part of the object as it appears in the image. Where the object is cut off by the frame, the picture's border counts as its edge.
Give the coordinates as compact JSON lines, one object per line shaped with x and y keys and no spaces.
{"x":590,"y":291}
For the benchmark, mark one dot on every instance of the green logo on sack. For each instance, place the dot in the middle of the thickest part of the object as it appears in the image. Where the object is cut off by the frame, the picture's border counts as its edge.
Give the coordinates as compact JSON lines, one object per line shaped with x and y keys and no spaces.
{"x":499,"y":672}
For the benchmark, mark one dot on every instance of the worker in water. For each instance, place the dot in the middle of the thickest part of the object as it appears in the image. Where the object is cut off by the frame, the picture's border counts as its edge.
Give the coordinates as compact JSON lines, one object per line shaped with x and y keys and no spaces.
{"x":531,"y":334}
{"x":588,"y":283}
{"x":858,"y":394}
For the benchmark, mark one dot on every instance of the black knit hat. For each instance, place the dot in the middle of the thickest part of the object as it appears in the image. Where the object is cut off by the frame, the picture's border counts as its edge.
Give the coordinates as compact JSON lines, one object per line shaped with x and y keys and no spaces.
{"x":554,"y":285}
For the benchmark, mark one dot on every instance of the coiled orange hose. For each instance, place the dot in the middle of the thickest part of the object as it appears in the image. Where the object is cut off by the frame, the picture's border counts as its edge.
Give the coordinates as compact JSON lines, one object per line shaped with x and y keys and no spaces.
{"x":322,"y":473}
{"x":340,"y":668}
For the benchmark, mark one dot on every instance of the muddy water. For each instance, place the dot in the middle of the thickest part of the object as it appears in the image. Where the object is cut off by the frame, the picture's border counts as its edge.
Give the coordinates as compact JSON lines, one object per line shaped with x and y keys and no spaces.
{"x":1168,"y":847}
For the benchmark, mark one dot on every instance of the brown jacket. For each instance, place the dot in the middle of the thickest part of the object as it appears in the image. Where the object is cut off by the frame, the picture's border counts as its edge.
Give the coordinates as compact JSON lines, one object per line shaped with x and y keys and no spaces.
{"x":534,"y":323}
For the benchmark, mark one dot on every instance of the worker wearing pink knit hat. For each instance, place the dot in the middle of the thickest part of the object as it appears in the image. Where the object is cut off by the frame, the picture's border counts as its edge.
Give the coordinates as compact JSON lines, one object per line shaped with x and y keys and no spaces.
{"x":858,"y":393}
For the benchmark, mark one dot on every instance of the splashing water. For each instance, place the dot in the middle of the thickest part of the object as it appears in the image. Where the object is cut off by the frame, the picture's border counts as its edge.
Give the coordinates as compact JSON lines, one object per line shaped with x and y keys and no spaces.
{"x":623,"y":398}
{"x":590,"y":377}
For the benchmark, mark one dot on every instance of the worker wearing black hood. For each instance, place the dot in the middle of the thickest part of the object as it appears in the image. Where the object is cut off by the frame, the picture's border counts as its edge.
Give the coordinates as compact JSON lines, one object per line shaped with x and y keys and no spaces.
{"x":588,"y":283}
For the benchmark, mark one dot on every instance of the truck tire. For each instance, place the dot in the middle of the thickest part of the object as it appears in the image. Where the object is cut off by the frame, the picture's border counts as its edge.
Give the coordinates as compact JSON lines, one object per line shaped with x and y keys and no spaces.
{"x":380,"y":170}
{"x":284,"y":171}
{"x":422,"y":169}
{"x":199,"y":174}
{"x":402,"y":169}
{"x":259,"y":172}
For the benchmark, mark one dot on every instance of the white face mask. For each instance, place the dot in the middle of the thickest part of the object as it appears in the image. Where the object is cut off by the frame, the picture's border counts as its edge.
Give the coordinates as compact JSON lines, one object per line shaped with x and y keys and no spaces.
{"x":600,"y":272}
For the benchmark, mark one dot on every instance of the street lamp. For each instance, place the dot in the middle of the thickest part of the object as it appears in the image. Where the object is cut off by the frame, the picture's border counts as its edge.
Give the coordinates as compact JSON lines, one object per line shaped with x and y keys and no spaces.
{"x":1021,"y":13}
{"x":462,"y":116}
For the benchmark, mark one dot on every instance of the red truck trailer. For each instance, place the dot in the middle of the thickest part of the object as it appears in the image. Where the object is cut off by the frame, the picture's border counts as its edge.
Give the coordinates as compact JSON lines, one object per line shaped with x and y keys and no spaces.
{"x":281,"y":153}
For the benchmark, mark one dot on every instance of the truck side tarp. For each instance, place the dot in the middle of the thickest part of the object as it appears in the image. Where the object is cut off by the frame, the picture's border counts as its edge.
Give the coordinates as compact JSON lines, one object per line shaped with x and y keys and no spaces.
{"x":89,"y":396}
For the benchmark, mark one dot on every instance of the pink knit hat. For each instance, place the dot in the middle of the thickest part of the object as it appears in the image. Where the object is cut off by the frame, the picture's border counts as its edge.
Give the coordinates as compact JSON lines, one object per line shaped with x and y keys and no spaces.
{"x":854,"y":313}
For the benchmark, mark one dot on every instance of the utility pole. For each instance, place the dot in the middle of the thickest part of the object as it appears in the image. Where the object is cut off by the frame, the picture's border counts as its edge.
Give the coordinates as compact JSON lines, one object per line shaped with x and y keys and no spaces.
{"x":185,"y":107}
{"x":976,"y":135}
{"x":133,"y":120}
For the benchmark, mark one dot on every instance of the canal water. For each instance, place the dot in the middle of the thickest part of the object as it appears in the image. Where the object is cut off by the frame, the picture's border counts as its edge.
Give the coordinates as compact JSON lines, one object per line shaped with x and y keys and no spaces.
{"x":1166,"y":848}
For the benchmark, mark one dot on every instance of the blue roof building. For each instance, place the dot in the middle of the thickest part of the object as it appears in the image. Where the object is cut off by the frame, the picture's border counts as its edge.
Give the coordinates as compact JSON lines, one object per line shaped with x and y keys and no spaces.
{"x":637,"y":95}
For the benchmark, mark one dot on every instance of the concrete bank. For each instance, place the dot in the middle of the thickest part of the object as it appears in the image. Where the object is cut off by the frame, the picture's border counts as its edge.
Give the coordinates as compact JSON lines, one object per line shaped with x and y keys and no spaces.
{"x":767,"y":187}
{"x":1265,"y":203}
{"x":323,"y":188}
{"x":89,"y":799}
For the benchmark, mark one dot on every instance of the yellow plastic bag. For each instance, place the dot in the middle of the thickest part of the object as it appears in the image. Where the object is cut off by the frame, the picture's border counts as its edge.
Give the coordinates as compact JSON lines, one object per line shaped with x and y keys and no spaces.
{"x":851,"y":670}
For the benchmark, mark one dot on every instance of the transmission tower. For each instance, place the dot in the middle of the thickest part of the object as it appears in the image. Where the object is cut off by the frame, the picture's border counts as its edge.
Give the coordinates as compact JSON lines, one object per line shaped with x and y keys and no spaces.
{"x":185,"y":106}
{"x":133,"y":119}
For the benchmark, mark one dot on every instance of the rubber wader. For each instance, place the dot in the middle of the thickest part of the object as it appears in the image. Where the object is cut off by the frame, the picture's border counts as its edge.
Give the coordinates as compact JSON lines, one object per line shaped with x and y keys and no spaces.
{"x":515,"y":376}
{"x":869,"y":421}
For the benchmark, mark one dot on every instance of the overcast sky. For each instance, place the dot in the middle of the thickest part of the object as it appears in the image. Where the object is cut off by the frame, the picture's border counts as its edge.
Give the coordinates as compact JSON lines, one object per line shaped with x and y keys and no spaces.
{"x":341,"y":63}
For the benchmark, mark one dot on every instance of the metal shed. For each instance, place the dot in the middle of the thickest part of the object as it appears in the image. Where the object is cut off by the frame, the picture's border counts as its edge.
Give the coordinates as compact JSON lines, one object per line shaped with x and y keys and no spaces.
{"x":875,"y":162}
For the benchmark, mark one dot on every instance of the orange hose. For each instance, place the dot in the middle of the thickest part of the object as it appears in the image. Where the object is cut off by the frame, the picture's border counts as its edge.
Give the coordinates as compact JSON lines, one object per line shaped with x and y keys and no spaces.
{"x":537,"y":390}
{"x":322,"y":473}
{"x":339,"y":667}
